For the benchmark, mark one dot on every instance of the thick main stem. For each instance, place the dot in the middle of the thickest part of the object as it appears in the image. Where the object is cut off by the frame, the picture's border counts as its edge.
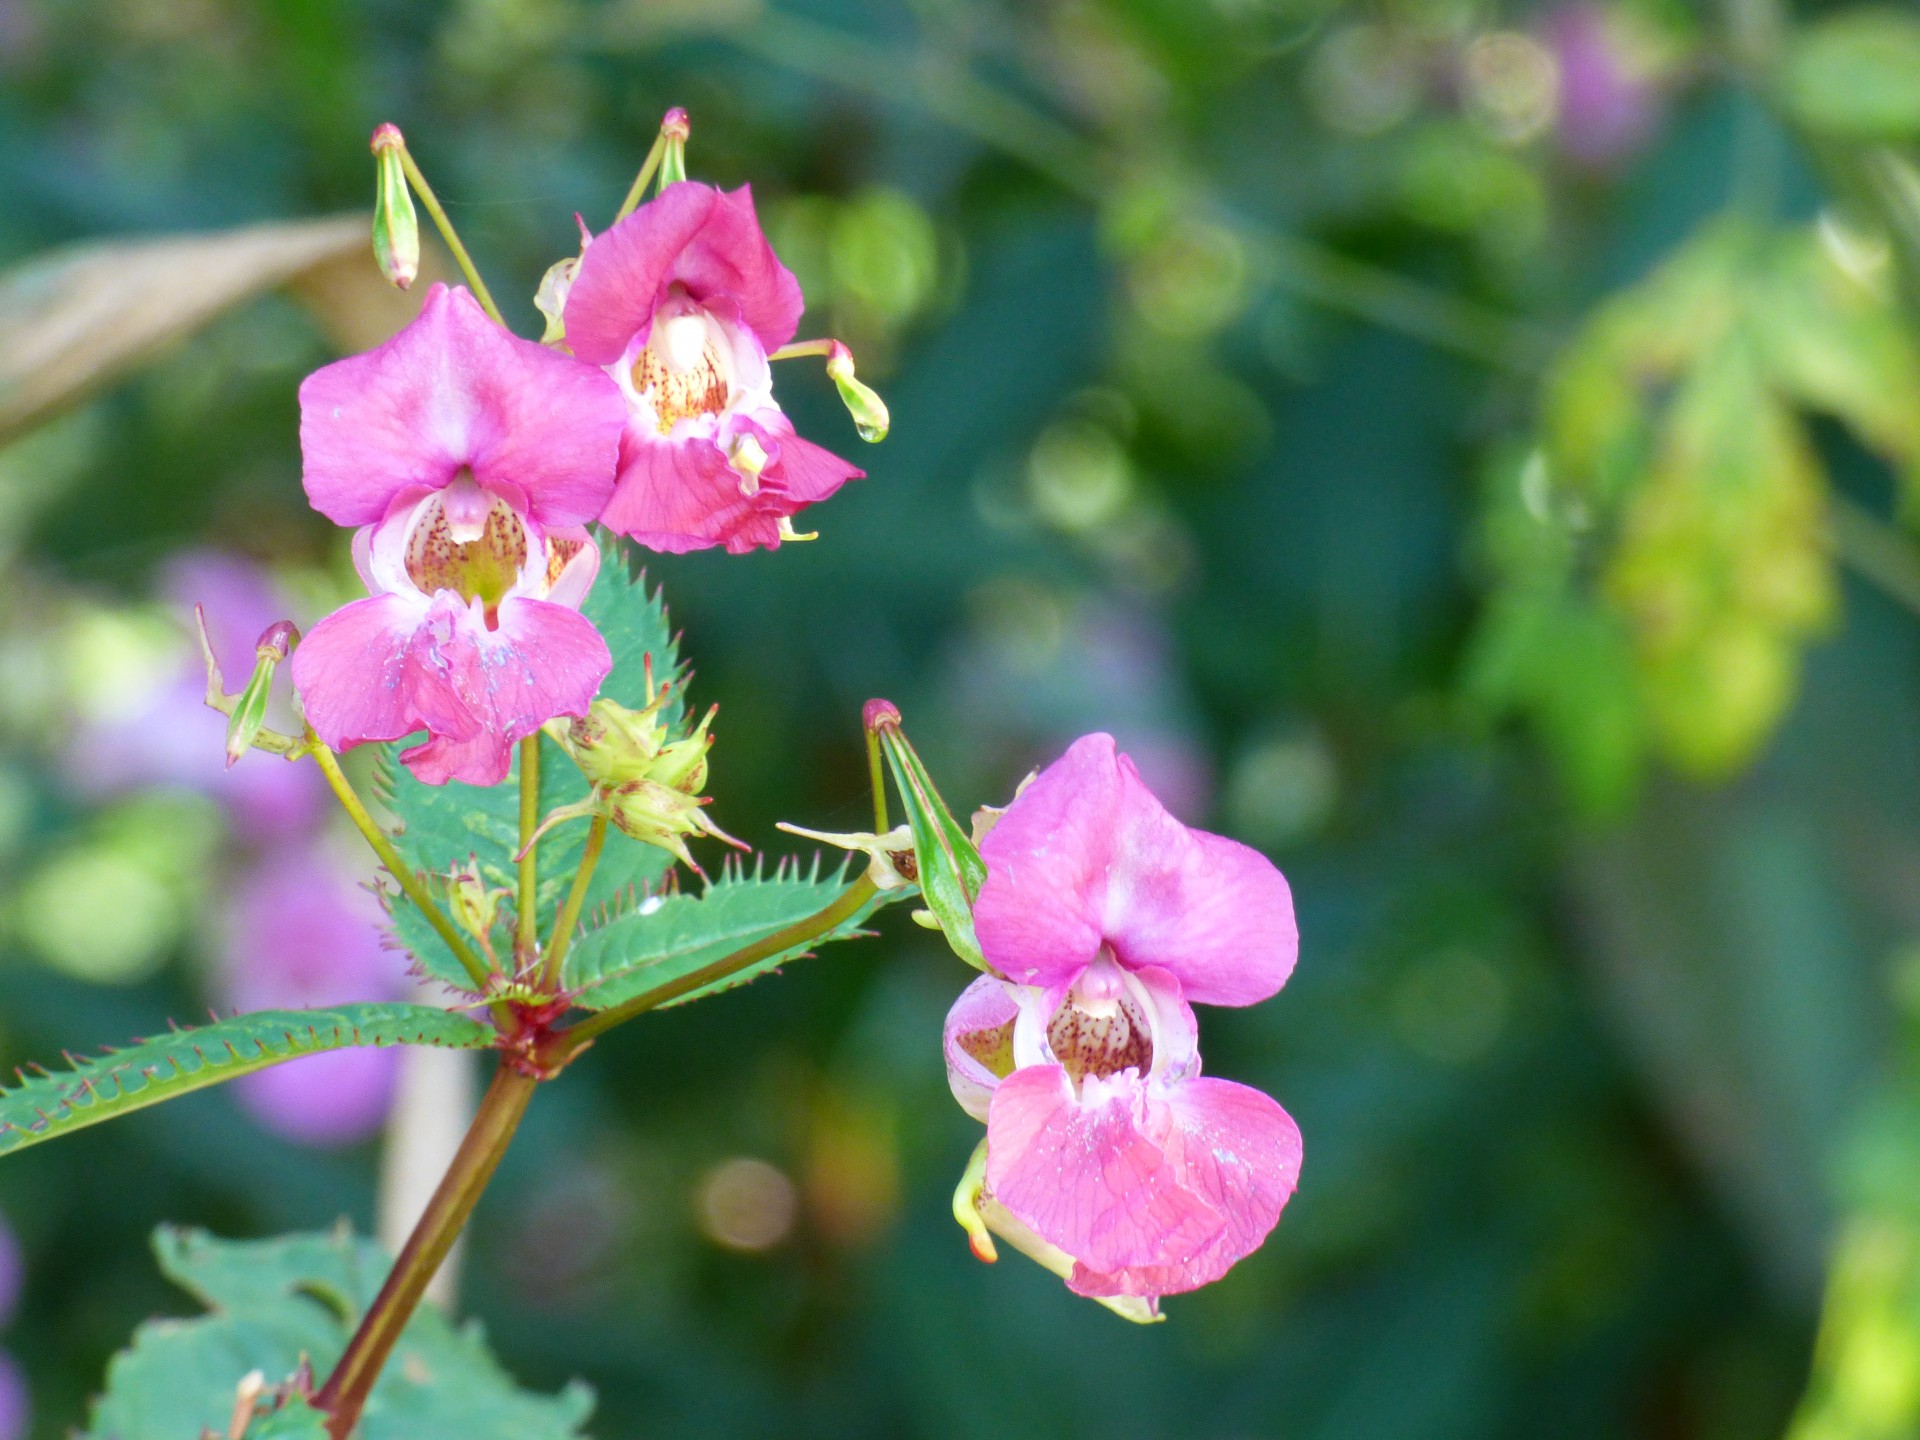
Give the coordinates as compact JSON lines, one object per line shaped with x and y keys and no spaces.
{"x":344,"y":1395}
{"x":823,"y":922}
{"x":402,"y":872}
{"x":529,"y":899}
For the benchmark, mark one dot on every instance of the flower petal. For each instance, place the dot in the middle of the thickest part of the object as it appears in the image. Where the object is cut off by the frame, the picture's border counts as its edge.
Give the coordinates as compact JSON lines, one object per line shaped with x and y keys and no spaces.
{"x":1084,"y":1175}
{"x":800,"y":471}
{"x":676,"y":495}
{"x":542,"y":660}
{"x":691,"y":234}
{"x":1237,"y":1150}
{"x":374,"y":670}
{"x":979,"y":1043}
{"x":455,"y":390}
{"x":1086,"y":855}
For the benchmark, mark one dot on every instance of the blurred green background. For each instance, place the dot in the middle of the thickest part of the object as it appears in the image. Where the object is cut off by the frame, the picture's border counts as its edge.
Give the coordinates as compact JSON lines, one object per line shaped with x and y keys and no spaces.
{"x":1464,"y":449}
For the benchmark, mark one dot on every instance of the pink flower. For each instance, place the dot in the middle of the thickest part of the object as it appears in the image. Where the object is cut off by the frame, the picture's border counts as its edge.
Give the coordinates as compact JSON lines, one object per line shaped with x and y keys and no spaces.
{"x":1107,"y":916}
{"x":300,"y":931}
{"x":682,"y":302}
{"x":471,"y":459}
{"x":1608,"y":104}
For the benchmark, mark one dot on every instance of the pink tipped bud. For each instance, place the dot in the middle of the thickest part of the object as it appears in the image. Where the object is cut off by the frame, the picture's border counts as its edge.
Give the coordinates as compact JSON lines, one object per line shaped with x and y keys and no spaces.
{"x":877,"y":713}
{"x":675,"y":125}
{"x":863,"y":403}
{"x":396,"y":229}
{"x":276,"y":642}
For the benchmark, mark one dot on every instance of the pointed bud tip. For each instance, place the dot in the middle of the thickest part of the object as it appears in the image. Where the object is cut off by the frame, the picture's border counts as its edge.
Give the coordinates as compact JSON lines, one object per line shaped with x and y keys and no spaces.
{"x":877,"y":714}
{"x":386,"y":137}
{"x":276,"y":642}
{"x":675,"y":125}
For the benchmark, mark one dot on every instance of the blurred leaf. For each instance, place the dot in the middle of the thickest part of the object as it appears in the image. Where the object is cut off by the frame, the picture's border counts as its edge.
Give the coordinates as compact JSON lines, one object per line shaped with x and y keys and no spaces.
{"x":44,"y":1106}
{"x":276,"y":1303}
{"x":442,"y":825}
{"x":1723,"y":568}
{"x":76,"y":320}
{"x":295,"y":1420}
{"x":669,"y":936}
{"x":1856,"y":75}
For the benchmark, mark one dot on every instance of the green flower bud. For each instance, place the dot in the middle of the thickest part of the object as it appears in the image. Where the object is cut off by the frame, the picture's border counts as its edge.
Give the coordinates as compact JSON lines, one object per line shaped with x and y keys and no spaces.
{"x":645,"y":783}
{"x":396,"y":229}
{"x":869,"y":411}
{"x":249,"y":714}
{"x":950,"y":870}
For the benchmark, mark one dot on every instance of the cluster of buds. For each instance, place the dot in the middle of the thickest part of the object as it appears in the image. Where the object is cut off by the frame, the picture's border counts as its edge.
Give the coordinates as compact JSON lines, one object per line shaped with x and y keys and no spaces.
{"x":645,"y":782}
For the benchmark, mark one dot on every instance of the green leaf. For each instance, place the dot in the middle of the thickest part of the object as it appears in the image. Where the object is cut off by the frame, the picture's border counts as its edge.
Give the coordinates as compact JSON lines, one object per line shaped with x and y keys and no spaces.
{"x":951,"y":870}
{"x":273,"y":1304}
{"x":1856,"y":75}
{"x":295,"y":1420}
{"x":442,"y":825}
{"x":670,"y":936}
{"x":44,"y":1106}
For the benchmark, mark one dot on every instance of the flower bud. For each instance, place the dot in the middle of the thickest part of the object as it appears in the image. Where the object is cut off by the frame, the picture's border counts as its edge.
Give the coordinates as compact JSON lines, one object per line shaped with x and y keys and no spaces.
{"x":674,"y":130}
{"x":396,"y":229}
{"x":249,"y":713}
{"x":951,"y":871}
{"x":473,"y":904}
{"x":647,"y":785}
{"x":551,"y":298}
{"x":869,"y":411}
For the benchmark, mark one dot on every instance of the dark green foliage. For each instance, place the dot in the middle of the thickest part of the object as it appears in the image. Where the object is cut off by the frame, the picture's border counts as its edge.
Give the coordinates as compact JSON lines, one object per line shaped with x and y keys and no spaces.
{"x":274,"y":1305}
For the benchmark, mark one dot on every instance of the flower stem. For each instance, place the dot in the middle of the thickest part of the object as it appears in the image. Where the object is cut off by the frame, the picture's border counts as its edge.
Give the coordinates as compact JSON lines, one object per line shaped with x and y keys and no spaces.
{"x":448,"y":234}
{"x":529,"y":900}
{"x":640,"y":181}
{"x":802,"y":347}
{"x":877,"y":777}
{"x":345,"y":1393}
{"x":573,"y":1041}
{"x":569,"y":917}
{"x":402,"y":872}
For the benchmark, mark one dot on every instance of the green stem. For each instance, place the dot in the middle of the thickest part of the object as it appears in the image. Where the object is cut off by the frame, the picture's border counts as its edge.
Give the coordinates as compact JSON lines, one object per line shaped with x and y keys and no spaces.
{"x":573,"y":1041}
{"x":448,"y":234}
{"x":529,"y":900}
{"x":1876,"y":551}
{"x":876,"y":776}
{"x":344,"y":1395}
{"x":639,"y":186}
{"x":402,"y":872}
{"x":569,"y":918}
{"x":802,"y":347}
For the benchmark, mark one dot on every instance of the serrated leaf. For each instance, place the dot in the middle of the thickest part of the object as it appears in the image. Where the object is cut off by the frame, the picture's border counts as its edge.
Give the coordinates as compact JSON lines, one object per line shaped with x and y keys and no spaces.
{"x":273,"y":1303}
{"x":670,"y":936}
{"x":93,"y":1090}
{"x":445,"y":824}
{"x":295,"y":1420}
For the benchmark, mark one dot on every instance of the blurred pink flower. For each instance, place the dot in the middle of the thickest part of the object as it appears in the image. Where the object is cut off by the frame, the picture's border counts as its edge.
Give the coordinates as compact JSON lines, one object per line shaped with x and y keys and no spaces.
{"x":1608,"y":103}
{"x":301,"y":932}
{"x":471,"y":459}
{"x":682,"y":302}
{"x":15,"y":1409}
{"x":1107,"y":916}
{"x":174,"y":739}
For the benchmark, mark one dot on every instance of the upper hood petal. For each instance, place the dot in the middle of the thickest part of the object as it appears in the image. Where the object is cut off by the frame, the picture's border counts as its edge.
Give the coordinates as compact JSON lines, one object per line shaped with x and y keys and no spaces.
{"x":455,"y":390}
{"x":708,"y":241}
{"x":1086,"y":856}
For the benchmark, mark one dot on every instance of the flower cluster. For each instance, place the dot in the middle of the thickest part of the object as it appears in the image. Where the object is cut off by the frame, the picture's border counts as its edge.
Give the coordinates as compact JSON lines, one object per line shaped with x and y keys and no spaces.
{"x":471,"y":462}
{"x":1108,"y":1156}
